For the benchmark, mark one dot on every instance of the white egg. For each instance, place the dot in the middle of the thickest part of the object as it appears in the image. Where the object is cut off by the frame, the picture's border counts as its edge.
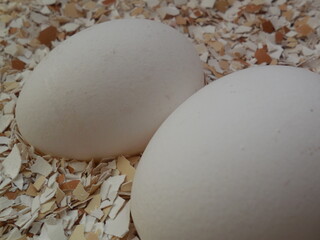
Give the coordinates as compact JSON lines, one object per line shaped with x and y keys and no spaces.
{"x":105,"y":90}
{"x":239,"y":160}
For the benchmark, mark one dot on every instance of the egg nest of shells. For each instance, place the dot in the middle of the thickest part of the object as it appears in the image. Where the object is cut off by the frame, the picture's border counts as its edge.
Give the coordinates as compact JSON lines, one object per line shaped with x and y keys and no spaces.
{"x":42,"y":197}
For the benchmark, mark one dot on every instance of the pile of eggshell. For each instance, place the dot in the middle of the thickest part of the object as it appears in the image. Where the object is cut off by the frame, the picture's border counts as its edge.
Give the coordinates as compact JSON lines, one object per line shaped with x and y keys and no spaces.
{"x":238,"y":160}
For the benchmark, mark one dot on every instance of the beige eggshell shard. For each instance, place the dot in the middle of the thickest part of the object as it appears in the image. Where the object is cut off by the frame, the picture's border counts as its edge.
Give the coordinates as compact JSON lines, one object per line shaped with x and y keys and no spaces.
{"x":239,"y":160}
{"x":105,"y":90}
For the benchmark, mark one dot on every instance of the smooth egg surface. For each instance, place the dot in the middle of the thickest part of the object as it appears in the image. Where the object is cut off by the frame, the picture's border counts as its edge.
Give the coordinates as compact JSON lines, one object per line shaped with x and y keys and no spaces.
{"x":105,"y":91}
{"x":239,"y":160}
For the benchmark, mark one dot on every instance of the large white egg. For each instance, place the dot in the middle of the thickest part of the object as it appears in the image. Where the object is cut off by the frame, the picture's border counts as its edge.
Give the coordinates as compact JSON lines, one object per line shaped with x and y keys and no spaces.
{"x":106,"y":90}
{"x":239,"y":160}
